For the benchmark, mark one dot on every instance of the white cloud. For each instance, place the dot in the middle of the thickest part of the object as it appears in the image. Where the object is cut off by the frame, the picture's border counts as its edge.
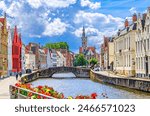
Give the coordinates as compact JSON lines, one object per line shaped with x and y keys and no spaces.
{"x":34,"y":36}
{"x":89,"y":17}
{"x":35,"y":3}
{"x":98,"y":19}
{"x":133,"y":10}
{"x":88,"y":3}
{"x":55,"y":28}
{"x":50,"y":3}
{"x":129,"y":19}
{"x":98,"y":25}
{"x":89,"y":31}
{"x":2,"y":6}
{"x":14,"y":9}
{"x":93,"y":34}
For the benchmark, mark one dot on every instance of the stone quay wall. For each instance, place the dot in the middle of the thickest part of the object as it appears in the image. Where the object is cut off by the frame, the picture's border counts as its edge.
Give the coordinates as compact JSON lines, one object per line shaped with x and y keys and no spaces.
{"x":133,"y":83}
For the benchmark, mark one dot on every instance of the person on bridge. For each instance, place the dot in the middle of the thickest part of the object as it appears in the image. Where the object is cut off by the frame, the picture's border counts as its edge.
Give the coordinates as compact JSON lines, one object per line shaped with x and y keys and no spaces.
{"x":17,"y":76}
{"x":20,"y":74}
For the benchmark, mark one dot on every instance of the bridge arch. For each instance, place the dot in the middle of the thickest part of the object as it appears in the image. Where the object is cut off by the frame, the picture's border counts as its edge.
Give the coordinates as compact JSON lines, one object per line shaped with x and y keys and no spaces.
{"x":78,"y":72}
{"x":66,"y":75}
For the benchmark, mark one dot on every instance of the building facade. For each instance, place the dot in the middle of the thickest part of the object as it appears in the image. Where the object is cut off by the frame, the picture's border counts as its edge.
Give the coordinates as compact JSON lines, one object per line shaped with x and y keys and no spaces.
{"x":30,"y":59}
{"x":3,"y":47}
{"x":16,"y":52}
{"x":10,"y":37}
{"x":107,"y":54}
{"x":54,"y":57}
{"x":88,"y":51}
{"x":111,"y":55}
{"x":102,"y":56}
{"x":42,"y":58}
{"x":61,"y":60}
{"x":48,"y":58}
{"x":23,"y":60}
{"x":69,"y":56}
{"x":124,"y":48}
{"x":35,"y":50}
{"x":143,"y":45}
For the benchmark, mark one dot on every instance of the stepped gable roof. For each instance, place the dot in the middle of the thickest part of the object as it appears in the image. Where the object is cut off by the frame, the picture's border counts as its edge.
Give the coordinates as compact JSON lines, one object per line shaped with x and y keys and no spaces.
{"x":87,"y":50}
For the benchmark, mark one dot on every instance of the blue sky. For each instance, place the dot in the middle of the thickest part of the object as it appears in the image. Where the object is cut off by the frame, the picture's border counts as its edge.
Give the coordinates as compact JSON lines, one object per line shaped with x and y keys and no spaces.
{"x":43,"y":21}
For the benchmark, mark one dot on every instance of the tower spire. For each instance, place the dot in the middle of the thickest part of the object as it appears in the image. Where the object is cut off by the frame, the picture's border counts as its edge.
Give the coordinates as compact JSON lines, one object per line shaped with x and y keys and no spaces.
{"x":83,"y":32}
{"x":84,"y":40}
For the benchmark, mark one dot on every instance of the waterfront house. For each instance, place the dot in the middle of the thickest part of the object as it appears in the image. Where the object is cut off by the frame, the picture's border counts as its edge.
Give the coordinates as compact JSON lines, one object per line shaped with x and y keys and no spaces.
{"x":143,"y":45}
{"x":48,"y":58}
{"x":54,"y":57}
{"x":30,"y":59}
{"x":10,"y":37}
{"x":124,"y":48}
{"x":35,"y":50}
{"x":42,"y":58}
{"x":3,"y":47}
{"x":61,"y":60}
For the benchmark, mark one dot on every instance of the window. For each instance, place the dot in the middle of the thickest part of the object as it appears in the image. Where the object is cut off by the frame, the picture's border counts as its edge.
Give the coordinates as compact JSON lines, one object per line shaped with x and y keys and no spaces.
{"x":129,"y":61}
{"x":148,"y":44}
{"x":129,"y":42}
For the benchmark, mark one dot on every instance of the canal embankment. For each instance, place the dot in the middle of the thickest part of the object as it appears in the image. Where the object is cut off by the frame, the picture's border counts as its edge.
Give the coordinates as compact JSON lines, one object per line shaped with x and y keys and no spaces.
{"x":129,"y":82}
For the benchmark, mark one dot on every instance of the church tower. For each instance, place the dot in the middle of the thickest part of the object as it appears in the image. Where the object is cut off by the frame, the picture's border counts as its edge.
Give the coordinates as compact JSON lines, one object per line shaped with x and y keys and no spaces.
{"x":84,"y":40}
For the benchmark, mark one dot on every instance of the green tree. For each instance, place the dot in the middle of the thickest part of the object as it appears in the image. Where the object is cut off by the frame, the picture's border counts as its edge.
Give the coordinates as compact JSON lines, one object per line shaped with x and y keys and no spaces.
{"x":80,"y":60}
{"x":93,"y":62}
{"x":59,"y":45}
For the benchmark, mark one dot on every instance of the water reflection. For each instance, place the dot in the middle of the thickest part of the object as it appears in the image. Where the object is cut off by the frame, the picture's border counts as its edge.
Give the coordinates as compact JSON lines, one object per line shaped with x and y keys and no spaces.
{"x":72,"y":86}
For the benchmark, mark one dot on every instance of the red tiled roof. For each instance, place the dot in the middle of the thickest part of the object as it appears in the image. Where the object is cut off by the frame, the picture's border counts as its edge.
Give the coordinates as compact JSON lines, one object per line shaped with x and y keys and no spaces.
{"x":91,"y":48}
{"x":80,"y":50}
{"x":88,"y":48}
{"x":27,"y":49}
{"x":2,"y":20}
{"x":45,"y":50}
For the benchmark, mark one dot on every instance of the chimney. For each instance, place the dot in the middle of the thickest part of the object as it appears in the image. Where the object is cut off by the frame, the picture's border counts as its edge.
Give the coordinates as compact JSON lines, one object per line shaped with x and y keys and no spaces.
{"x":139,"y":16}
{"x":148,"y":9}
{"x":126,"y":24}
{"x":134,"y":17}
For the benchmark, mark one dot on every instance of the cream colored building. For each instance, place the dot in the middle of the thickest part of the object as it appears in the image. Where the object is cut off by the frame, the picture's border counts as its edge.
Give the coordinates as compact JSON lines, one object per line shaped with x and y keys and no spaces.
{"x":30,"y":61}
{"x":143,"y":45}
{"x":108,"y":53}
{"x":111,"y":55}
{"x":124,"y":49}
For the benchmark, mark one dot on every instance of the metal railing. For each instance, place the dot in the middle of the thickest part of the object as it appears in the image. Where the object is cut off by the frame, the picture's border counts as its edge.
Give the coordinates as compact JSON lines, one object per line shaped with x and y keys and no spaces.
{"x":15,"y":93}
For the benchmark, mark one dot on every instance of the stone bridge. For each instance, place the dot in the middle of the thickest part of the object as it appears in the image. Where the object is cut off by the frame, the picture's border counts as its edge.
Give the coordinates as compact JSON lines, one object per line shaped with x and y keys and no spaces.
{"x":77,"y":71}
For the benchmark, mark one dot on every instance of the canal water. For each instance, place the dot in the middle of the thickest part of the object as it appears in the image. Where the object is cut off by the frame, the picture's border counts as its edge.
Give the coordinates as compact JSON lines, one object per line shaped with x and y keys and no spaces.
{"x":68,"y":84}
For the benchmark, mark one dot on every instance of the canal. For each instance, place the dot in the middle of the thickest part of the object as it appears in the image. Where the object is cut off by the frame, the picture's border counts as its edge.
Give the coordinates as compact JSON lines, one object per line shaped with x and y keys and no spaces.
{"x":72,"y":86}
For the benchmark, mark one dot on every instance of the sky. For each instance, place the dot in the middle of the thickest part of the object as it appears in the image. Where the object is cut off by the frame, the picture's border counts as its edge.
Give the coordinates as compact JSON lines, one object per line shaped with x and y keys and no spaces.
{"x":49,"y":21}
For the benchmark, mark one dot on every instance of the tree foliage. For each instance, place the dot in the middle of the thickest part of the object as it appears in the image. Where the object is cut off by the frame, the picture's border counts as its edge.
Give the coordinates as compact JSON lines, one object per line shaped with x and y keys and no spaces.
{"x":93,"y":61}
{"x":80,"y":60}
{"x":59,"y":45}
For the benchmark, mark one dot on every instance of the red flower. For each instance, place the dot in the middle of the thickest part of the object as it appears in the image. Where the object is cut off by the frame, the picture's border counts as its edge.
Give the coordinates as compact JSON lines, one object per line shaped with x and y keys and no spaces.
{"x":30,"y":94}
{"x":40,"y":87}
{"x":38,"y":97}
{"x":18,"y":84}
{"x":93,"y":95}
